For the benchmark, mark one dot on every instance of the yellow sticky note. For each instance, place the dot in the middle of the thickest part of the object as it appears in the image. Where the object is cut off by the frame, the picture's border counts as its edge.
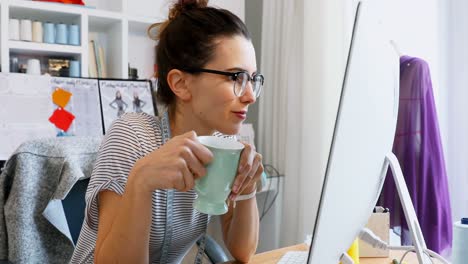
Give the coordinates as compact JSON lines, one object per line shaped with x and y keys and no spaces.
{"x":353,"y":251}
{"x":61,"y":97}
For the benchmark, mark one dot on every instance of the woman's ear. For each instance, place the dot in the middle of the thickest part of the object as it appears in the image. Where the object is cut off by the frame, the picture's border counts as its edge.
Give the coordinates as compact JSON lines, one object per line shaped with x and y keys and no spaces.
{"x":177,"y":81}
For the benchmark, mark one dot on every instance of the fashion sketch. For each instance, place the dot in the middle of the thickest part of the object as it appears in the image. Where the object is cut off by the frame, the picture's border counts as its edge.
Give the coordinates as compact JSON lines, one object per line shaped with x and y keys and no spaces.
{"x":137,"y":103}
{"x":119,"y":104}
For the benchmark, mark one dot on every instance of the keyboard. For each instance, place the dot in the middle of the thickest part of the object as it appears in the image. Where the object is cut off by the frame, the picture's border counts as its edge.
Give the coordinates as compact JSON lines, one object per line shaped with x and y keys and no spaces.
{"x":294,"y":257}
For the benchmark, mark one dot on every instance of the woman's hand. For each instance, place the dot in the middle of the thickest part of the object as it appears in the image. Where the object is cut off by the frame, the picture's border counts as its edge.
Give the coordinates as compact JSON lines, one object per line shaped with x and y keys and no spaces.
{"x":176,"y":165}
{"x":249,"y":172}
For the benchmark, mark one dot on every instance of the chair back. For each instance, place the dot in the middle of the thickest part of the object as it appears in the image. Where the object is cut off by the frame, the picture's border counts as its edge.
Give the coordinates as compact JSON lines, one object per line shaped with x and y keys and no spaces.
{"x":74,"y":206}
{"x":42,"y":198}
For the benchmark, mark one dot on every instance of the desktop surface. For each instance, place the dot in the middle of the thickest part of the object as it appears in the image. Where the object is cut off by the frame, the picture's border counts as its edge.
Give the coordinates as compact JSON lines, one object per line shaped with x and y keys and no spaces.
{"x":272,"y":257}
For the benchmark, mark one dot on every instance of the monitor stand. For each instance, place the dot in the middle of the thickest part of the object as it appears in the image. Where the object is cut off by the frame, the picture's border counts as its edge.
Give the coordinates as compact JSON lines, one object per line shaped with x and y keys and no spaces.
{"x":416,"y":234}
{"x":410,"y":215}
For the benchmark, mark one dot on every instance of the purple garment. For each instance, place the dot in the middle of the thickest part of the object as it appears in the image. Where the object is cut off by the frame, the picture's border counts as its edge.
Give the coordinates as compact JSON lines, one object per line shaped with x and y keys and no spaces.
{"x":418,"y":148}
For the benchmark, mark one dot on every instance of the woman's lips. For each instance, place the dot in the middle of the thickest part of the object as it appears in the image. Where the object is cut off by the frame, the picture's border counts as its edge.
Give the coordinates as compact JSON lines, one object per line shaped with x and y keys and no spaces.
{"x":241,"y":114}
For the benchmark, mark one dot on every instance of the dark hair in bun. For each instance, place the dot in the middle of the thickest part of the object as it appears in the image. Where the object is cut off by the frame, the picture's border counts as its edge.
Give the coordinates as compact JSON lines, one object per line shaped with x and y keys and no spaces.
{"x":186,"y":5}
{"x":186,"y":39}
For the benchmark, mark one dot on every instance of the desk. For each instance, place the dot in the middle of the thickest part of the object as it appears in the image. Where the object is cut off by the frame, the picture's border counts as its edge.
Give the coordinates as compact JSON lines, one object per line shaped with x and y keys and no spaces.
{"x":272,"y":257}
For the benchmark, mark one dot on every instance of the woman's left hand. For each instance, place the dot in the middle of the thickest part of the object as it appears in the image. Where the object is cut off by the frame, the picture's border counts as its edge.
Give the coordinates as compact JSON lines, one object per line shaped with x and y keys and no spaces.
{"x":249,"y":172}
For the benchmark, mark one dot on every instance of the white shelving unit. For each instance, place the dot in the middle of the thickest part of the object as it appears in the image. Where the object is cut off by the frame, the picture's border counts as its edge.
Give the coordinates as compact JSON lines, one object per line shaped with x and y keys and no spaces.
{"x":43,"y":48}
{"x":119,"y":26}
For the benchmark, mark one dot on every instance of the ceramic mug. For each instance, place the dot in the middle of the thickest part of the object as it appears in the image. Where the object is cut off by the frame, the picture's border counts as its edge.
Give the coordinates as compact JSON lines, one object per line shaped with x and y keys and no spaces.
{"x":214,"y":188}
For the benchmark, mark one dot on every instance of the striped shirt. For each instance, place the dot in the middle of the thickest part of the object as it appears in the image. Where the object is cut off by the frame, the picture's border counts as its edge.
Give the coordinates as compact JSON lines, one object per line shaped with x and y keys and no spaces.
{"x":130,"y":138}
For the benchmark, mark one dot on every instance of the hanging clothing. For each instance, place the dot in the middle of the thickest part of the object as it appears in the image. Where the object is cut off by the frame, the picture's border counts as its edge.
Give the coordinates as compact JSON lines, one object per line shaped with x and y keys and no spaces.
{"x":418,"y":147}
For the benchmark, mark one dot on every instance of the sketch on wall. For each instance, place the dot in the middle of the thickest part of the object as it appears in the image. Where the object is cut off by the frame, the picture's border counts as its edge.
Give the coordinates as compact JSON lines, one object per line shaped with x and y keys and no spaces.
{"x":119,"y":97}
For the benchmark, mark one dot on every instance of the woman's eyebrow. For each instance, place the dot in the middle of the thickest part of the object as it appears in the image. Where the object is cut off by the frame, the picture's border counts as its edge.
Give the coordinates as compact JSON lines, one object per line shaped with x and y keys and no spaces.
{"x":235,"y":69}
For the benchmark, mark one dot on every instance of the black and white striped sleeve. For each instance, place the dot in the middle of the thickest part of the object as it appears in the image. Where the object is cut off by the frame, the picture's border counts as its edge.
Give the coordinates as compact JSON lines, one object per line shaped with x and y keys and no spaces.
{"x":118,"y":153}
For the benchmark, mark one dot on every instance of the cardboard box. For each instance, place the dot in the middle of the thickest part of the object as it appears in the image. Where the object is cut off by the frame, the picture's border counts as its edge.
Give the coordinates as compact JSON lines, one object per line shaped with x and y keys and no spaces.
{"x":379,"y":223}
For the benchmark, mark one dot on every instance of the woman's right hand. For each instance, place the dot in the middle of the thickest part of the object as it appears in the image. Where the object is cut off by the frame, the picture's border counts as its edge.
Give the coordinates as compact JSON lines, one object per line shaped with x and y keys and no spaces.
{"x":175,"y":165}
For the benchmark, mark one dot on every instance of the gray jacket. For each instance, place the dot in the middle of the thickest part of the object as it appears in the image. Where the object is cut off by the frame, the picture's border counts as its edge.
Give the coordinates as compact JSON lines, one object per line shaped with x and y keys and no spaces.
{"x":33,"y":227}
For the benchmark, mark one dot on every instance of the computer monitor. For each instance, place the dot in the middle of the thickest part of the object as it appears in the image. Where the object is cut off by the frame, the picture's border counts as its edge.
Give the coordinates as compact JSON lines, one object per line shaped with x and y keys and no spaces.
{"x":363,"y":136}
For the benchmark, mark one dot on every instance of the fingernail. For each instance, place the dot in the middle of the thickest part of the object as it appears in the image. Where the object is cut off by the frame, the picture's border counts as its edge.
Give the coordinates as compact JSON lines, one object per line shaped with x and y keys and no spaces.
{"x":235,"y":189}
{"x":232,"y":197}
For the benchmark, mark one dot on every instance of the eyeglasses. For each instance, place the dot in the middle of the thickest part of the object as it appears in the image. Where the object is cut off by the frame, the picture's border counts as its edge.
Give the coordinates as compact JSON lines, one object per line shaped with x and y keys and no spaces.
{"x":240,"y":79}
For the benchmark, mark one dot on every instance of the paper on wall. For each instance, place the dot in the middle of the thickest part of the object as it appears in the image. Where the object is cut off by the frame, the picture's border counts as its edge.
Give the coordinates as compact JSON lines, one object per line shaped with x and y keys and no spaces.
{"x":84,"y":104}
{"x":121,"y":96}
{"x":25,"y":106}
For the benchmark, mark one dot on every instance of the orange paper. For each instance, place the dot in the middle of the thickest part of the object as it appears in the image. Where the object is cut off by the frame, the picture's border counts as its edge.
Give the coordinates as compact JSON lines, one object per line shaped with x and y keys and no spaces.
{"x":61,"y":97}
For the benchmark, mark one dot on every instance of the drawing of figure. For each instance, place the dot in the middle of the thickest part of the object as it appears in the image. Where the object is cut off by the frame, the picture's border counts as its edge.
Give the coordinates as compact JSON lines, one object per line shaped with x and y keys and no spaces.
{"x":119,"y":104}
{"x":137,"y":103}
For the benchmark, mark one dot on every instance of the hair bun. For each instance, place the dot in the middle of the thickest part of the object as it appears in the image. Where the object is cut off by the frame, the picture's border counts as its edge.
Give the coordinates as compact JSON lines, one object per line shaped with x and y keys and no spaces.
{"x":185,"y":5}
{"x":154,"y":31}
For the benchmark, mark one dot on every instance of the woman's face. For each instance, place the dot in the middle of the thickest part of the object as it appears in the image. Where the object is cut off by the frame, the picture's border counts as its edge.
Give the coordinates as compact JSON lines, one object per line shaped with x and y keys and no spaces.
{"x":213,"y":100}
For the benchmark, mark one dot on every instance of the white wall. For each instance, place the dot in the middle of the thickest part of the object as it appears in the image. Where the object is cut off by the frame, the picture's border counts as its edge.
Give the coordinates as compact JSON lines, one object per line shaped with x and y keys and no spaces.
{"x":453,"y":95}
{"x":160,"y":8}
{"x":416,"y":29}
{"x":237,"y":7}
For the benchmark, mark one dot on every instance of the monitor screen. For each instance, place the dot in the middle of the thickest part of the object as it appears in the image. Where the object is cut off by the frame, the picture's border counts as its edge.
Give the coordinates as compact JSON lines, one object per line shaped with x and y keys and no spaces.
{"x":363,"y":136}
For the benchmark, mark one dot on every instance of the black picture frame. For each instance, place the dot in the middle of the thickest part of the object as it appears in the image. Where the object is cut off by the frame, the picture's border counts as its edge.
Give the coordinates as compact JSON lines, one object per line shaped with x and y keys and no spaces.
{"x":135,"y":96}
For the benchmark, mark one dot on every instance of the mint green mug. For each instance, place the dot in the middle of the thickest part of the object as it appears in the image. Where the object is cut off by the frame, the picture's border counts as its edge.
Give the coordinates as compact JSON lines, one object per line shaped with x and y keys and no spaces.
{"x":214,"y":188}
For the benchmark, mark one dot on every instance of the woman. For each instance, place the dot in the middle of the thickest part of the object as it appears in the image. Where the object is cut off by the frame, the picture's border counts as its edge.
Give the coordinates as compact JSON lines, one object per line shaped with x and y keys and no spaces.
{"x":138,"y":104}
{"x":139,"y":200}
{"x":118,"y":104}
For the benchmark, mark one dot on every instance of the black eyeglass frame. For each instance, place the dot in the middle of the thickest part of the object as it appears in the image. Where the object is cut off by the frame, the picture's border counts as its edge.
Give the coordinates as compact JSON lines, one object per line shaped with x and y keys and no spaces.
{"x":233,"y":75}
